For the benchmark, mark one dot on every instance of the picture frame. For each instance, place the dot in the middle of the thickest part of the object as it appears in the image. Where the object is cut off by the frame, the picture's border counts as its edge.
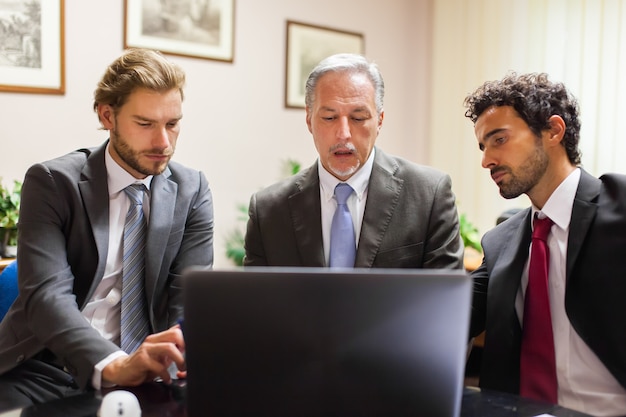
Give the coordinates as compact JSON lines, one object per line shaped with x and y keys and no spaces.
{"x":307,"y":45}
{"x":190,"y":28}
{"x":32,"y":54}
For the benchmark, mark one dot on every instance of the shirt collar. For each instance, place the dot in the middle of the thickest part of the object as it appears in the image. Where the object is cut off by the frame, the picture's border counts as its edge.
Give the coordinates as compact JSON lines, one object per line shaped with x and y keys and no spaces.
{"x":559,"y":205}
{"x":118,"y":178}
{"x":358,"y":181}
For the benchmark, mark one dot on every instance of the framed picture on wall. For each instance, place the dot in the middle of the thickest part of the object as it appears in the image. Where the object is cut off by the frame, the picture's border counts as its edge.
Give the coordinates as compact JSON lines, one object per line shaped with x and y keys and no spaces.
{"x":192,"y":28}
{"x":307,"y":45}
{"x":31,"y":46}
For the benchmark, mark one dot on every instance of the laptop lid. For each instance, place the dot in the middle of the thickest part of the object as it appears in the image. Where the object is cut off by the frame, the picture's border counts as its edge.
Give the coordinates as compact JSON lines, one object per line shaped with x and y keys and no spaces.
{"x":322,"y":342}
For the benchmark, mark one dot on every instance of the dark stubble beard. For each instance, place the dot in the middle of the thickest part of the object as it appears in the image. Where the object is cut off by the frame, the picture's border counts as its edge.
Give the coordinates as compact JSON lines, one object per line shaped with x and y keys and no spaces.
{"x":131,"y":157}
{"x":527,"y":176}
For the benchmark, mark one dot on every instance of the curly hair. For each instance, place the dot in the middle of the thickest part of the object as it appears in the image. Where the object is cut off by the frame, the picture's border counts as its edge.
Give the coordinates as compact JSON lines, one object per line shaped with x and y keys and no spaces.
{"x":535,"y":99}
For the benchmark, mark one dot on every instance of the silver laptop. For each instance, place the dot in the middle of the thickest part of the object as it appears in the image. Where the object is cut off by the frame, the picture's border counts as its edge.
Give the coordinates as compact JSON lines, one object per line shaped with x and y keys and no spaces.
{"x":323,"y":342}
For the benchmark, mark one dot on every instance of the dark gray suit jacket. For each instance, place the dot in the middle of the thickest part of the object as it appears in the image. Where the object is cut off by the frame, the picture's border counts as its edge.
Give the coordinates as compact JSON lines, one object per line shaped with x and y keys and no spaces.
{"x":63,"y":245}
{"x":595,"y":293}
{"x":410,"y":220}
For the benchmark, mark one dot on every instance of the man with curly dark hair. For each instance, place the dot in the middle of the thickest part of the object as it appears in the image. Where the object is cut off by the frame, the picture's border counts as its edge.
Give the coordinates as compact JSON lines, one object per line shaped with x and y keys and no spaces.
{"x":528,"y":129}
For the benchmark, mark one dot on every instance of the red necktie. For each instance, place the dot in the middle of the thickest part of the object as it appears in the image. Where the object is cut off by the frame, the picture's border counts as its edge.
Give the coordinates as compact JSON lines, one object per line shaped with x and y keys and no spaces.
{"x":537,"y":363}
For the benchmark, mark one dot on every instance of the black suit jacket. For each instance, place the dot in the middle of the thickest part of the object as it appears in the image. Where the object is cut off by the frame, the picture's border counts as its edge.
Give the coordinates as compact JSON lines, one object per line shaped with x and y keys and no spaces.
{"x":595,"y":293}
{"x":410,"y":220}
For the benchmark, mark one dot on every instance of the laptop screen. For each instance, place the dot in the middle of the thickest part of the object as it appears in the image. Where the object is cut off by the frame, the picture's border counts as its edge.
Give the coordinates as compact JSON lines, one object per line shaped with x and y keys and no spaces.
{"x":319,"y":342}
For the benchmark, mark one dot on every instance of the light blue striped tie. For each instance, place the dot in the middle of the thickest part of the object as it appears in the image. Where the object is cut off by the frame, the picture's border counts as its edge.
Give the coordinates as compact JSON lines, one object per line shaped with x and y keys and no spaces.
{"x":342,"y":238}
{"x":135,"y":326}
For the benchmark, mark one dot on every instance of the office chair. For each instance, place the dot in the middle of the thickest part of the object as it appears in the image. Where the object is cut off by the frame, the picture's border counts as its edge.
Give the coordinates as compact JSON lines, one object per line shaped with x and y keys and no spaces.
{"x":8,"y":287}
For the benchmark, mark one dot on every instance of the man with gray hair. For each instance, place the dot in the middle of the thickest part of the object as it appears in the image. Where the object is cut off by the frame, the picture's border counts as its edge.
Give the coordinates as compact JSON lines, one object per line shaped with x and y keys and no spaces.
{"x":399,"y":214}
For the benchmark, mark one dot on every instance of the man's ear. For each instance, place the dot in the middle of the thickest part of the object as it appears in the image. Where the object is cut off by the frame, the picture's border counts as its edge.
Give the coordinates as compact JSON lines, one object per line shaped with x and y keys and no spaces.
{"x":557,"y":129}
{"x":106,"y":116}
{"x":308,"y":118}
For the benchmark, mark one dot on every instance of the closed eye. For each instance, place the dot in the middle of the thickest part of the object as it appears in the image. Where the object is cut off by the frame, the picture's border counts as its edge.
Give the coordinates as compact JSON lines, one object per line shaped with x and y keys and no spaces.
{"x":493,"y":140}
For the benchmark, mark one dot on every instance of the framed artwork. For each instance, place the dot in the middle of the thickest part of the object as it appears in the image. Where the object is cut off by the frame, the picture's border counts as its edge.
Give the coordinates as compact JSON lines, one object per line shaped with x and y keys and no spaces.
{"x":307,"y":45}
{"x":32,"y":46}
{"x":192,"y":28}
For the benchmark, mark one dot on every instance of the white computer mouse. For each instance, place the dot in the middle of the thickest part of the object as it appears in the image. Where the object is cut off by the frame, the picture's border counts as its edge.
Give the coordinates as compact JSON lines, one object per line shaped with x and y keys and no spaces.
{"x":119,"y":403}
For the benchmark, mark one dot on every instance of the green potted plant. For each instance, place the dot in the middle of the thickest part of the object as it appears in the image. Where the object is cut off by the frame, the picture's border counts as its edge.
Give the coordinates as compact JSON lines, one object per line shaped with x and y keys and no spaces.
{"x":9,"y":214}
{"x":235,"y":240}
{"x":469,"y":233}
{"x":471,"y":239}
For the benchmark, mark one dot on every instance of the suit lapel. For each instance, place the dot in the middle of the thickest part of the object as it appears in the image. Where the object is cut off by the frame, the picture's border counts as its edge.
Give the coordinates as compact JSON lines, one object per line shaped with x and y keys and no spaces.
{"x":94,"y":193}
{"x":96,"y":204}
{"x":306,"y":213}
{"x":511,"y":258}
{"x":583,"y":213}
{"x":162,"y":203}
{"x":509,"y":265}
{"x":383,"y":186}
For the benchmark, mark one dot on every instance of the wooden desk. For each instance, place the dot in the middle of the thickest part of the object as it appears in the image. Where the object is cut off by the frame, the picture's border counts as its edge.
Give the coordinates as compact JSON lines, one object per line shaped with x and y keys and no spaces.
{"x":4,"y":262}
{"x":472,"y":259}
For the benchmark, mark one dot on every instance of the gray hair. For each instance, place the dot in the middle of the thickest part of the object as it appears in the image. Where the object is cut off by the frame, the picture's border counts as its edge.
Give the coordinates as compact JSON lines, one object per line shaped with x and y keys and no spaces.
{"x":351,"y":63}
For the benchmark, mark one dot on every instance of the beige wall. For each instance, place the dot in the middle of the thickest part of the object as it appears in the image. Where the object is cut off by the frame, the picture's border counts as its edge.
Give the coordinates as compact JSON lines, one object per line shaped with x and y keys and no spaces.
{"x":581,"y":43}
{"x":235,"y":128}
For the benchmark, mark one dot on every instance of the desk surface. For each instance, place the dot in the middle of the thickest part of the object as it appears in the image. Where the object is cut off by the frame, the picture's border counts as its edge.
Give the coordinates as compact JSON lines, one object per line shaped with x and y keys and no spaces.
{"x":4,"y":262}
{"x":158,"y":400}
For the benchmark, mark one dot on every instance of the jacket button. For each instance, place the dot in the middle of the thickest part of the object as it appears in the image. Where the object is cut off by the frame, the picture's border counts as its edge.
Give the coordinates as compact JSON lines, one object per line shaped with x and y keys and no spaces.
{"x":20,"y":359}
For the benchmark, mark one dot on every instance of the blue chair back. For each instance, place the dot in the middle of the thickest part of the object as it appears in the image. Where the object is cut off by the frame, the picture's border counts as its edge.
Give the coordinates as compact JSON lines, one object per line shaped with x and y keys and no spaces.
{"x":8,"y":287}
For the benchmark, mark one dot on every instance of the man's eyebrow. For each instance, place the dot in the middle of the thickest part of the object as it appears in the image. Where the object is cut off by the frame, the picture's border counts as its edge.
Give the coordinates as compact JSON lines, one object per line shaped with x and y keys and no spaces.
{"x":494,"y":132}
{"x":147,"y":119}
{"x":142,"y":118}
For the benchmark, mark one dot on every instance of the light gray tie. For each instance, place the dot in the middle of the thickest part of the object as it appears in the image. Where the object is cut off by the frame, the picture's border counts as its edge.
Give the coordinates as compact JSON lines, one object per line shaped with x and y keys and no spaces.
{"x":342,"y":240}
{"x":135,"y":326}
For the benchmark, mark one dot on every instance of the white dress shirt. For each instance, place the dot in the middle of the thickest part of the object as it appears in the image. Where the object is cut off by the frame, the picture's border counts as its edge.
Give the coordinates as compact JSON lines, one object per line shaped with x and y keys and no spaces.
{"x":356,"y":201}
{"x":103,"y":311}
{"x":585,"y":384}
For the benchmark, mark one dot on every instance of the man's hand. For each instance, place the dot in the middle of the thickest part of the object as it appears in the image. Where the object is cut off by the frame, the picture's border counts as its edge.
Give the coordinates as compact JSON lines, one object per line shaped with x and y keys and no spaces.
{"x":151,"y":360}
